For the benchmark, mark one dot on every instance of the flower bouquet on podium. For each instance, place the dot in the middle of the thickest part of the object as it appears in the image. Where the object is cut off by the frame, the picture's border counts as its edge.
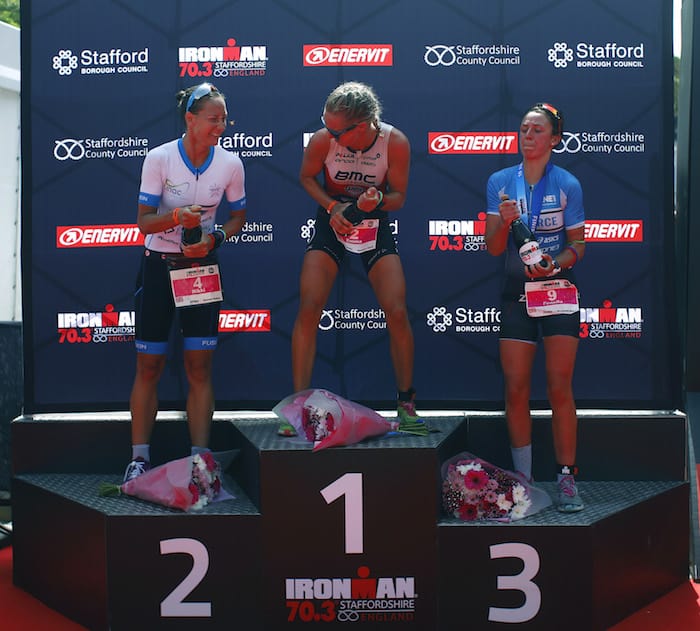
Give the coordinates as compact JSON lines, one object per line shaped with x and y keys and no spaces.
{"x":473,"y":489}
{"x":188,"y":483}
{"x":328,"y":420}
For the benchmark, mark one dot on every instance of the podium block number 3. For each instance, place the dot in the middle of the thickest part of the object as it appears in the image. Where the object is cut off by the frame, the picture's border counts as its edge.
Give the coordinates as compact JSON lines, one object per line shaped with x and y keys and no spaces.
{"x":350,"y":487}
{"x":521,"y":582}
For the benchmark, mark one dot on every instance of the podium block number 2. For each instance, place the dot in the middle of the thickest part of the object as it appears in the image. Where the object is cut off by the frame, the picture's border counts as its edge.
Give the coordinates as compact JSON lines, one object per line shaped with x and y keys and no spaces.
{"x":350,"y":487}
{"x":173,"y":605}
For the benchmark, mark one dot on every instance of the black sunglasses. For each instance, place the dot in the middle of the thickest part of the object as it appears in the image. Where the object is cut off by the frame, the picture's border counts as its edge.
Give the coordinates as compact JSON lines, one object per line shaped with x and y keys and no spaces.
{"x":338,"y":134}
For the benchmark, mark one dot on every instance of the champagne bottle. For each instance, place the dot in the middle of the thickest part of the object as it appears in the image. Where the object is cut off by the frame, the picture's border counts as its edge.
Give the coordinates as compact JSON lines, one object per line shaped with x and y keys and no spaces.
{"x":190,"y":236}
{"x":526,"y":242}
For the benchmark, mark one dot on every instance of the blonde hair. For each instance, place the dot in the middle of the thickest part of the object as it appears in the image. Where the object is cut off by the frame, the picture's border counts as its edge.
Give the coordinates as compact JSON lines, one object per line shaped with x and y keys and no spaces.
{"x":356,"y":101}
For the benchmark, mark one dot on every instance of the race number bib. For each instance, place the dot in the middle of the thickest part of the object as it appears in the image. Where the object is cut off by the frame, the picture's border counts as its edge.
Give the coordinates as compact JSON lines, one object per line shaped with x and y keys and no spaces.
{"x":363,"y":237}
{"x":551,"y":297}
{"x":196,"y":284}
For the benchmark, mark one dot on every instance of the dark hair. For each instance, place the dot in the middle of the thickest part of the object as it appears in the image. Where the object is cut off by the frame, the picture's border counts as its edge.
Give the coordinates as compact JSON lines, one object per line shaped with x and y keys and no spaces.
{"x":553,"y":114}
{"x":189,"y":100}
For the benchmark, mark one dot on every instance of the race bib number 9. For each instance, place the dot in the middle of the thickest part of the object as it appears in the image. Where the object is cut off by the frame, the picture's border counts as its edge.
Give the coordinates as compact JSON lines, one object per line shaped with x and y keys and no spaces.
{"x":551,"y":297}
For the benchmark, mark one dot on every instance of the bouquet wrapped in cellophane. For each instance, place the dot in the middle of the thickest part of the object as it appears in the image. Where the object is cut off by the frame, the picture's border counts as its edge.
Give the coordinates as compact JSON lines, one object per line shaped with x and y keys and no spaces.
{"x":473,"y":489}
{"x":329,"y":420}
{"x":188,"y":483}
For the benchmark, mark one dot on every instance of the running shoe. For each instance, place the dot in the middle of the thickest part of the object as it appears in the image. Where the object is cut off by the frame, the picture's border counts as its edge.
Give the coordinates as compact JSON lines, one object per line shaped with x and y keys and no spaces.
{"x":137,"y":467}
{"x":569,"y":500}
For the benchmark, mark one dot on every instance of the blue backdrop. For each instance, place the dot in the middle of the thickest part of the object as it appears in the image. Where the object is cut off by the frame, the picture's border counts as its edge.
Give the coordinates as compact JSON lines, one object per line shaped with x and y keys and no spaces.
{"x":98,"y":85}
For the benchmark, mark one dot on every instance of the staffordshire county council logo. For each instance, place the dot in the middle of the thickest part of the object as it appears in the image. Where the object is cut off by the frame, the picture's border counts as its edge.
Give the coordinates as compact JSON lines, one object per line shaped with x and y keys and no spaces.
{"x":65,"y":62}
{"x":68,"y":149}
{"x":439,"y":55}
{"x":560,"y":54}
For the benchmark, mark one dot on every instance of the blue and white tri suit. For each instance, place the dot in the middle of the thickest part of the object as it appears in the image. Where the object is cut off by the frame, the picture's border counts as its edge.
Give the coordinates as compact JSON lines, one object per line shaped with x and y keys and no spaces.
{"x":561,"y":210}
{"x":169,"y":180}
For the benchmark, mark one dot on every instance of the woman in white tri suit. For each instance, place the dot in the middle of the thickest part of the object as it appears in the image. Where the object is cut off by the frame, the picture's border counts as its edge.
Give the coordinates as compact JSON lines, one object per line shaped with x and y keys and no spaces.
{"x":549,"y":200}
{"x":182,"y":184}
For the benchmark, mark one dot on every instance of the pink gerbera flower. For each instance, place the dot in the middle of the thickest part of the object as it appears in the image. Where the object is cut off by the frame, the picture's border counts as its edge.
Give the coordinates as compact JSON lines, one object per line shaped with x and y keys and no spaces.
{"x":468,"y":512}
{"x":476,"y":480}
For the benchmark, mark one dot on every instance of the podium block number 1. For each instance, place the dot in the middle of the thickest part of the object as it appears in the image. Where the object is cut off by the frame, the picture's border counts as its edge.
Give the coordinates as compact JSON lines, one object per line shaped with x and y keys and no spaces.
{"x":350,"y":487}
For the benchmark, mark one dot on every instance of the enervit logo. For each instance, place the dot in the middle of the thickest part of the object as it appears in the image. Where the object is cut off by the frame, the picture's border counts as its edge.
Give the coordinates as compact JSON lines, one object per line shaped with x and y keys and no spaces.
{"x":95,"y":326}
{"x":472,"y":55}
{"x":587,"y":55}
{"x":96,"y":62}
{"x":601,"y":142}
{"x":117,"y":235}
{"x":100,"y":148}
{"x":457,"y":235}
{"x":464,"y":320}
{"x":344,"y":599}
{"x":611,"y":322}
{"x":620,"y":231}
{"x":250,"y":320}
{"x":348,"y":55}
{"x":232,"y":60}
{"x":472,"y":142}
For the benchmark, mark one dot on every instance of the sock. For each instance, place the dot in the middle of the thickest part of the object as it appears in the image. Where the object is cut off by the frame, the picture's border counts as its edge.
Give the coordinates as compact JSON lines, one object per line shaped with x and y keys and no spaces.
{"x":406,"y":395}
{"x":564,"y":470}
{"x":141,"y":451}
{"x":198,"y":450}
{"x":522,"y":460}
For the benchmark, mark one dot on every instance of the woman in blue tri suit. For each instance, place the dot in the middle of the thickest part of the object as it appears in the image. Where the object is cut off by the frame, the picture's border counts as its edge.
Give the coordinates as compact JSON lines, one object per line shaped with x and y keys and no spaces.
{"x":182,"y":184}
{"x":549,"y":200}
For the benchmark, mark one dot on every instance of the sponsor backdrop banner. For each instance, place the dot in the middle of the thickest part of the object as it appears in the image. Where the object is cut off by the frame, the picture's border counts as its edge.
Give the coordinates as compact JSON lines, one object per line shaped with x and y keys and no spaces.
{"x":99,"y":79}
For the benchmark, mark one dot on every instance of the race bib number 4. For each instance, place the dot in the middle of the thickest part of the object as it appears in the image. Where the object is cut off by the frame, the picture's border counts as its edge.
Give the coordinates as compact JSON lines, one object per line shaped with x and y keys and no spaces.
{"x":551,"y":297}
{"x":197,"y":285}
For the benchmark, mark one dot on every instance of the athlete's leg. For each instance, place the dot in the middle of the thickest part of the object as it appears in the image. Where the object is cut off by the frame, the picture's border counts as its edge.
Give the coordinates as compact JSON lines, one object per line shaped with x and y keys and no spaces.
{"x":318,"y":273}
{"x":200,"y":397}
{"x":387,"y":279}
{"x":143,"y":402}
{"x":560,"y":357}
{"x":517,"y":357}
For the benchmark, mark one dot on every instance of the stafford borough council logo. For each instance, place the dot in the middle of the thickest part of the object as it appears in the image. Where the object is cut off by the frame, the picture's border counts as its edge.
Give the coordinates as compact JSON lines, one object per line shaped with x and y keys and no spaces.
{"x":560,"y":54}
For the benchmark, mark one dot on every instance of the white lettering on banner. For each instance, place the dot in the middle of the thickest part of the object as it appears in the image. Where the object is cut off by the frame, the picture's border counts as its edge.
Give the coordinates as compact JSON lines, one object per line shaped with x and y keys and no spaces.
{"x":98,"y":236}
{"x":460,"y":142}
{"x":249,"y":320}
{"x":348,"y":55}
{"x":618,"y":231}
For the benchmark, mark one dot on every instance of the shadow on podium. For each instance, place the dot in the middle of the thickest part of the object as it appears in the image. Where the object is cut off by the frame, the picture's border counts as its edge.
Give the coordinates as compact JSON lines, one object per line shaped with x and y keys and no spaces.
{"x":348,"y":535}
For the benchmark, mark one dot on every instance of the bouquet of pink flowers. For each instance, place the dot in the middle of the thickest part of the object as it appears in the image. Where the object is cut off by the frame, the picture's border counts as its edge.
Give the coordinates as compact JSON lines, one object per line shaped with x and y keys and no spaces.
{"x":328,"y":420}
{"x":474,"y":489}
{"x":188,"y":483}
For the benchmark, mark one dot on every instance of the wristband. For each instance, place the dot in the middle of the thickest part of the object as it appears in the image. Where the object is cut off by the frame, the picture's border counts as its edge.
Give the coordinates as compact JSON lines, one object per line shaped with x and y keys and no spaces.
{"x":330,"y":206}
{"x":573,"y":249}
{"x":175,"y":217}
{"x":217,"y":238}
{"x":380,"y":203}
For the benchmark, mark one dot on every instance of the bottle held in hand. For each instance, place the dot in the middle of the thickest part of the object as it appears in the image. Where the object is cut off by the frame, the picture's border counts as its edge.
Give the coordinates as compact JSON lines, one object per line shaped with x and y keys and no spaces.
{"x":526,"y":242}
{"x":190,"y":236}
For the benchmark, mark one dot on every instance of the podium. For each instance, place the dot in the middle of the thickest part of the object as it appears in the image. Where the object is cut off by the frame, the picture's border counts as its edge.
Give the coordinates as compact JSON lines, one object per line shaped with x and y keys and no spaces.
{"x":345,"y":536}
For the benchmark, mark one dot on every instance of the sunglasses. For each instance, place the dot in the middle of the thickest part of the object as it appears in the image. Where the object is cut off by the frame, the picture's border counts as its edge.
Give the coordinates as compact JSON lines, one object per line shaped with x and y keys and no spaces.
{"x":200,"y":91}
{"x":553,"y":111}
{"x":338,"y":134}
